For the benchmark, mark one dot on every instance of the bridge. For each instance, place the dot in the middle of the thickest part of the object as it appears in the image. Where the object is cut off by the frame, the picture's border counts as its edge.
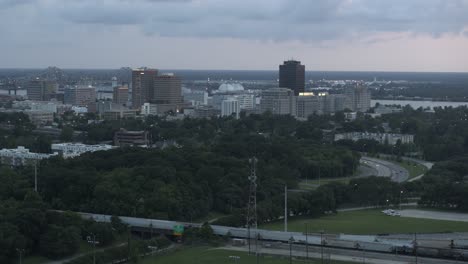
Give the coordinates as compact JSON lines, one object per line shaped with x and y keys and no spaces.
{"x":431,"y":246}
{"x":363,"y":242}
{"x":10,"y":87}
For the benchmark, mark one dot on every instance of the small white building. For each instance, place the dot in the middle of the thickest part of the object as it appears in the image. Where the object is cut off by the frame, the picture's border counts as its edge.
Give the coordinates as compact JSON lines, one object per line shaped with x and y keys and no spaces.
{"x":71,"y":150}
{"x":44,"y":107}
{"x":196,"y":97}
{"x":246,"y":101}
{"x":79,"y":109}
{"x":21,"y":156}
{"x":149,"y":109}
{"x":382,"y":138}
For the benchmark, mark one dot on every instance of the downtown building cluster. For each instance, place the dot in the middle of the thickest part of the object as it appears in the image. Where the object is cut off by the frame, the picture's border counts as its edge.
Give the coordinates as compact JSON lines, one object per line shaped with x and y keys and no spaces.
{"x":150,"y":92}
{"x":290,"y":98}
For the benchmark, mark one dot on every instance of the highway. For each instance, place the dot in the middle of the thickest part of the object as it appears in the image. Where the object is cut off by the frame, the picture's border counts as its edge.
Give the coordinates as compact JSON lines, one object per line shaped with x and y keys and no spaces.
{"x":387,"y":169}
{"x":339,"y":254}
{"x":348,"y":245}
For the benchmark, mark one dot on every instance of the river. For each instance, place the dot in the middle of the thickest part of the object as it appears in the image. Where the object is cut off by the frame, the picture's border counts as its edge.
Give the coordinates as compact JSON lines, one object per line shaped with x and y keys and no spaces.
{"x":417,"y":104}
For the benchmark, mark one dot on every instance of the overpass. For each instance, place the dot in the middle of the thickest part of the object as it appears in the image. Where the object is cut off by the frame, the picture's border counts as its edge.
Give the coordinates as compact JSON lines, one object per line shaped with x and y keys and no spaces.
{"x":383,"y":244}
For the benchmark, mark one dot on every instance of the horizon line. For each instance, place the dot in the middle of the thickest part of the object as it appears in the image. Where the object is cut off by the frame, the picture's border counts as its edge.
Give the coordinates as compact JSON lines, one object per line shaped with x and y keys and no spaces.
{"x":264,"y":70}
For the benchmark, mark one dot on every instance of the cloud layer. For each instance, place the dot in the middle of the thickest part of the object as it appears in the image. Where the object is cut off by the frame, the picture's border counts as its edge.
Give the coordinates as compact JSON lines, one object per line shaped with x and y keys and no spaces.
{"x":260,"y":19}
{"x":378,"y":33}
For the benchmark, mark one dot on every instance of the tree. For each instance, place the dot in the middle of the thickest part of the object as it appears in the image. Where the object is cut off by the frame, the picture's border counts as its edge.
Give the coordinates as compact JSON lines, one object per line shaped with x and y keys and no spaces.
{"x":206,"y":232}
{"x":66,"y":134}
{"x":118,"y":225}
{"x":59,"y":241}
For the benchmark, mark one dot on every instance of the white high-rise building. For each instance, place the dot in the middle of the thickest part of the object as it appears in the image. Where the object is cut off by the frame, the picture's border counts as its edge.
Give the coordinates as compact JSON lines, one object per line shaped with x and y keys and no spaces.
{"x":230,"y":107}
{"x":279,"y":101}
{"x":307,"y":104}
{"x":246,"y":101}
{"x":196,"y":97}
{"x":358,"y":98}
{"x":149,"y":109}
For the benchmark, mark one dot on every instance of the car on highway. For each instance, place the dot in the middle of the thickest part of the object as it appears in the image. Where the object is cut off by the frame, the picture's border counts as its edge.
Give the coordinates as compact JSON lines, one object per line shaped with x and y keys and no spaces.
{"x":391,"y":212}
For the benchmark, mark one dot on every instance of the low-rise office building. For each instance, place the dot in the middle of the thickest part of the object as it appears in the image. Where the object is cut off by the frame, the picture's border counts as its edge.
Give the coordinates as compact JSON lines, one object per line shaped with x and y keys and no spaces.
{"x":21,"y":156}
{"x":40,"y":117}
{"x":71,"y":150}
{"x":131,"y":138}
{"x":382,"y":138}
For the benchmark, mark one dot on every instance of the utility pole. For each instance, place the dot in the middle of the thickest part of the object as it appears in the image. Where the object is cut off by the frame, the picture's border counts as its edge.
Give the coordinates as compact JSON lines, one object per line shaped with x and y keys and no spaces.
{"x":319,"y":174}
{"x":258,"y":254}
{"x":94,"y":248}
{"x":291,"y":240}
{"x":307,"y":241}
{"x":252,"y":205}
{"x":285,"y":208}
{"x":416,"y":248}
{"x":321,"y":245}
{"x":35,"y":175}
{"x":20,"y":251}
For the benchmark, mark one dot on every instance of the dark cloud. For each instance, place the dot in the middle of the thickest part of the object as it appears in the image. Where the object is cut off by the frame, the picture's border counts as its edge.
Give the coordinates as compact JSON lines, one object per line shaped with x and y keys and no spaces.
{"x":11,"y":3}
{"x":264,"y":19}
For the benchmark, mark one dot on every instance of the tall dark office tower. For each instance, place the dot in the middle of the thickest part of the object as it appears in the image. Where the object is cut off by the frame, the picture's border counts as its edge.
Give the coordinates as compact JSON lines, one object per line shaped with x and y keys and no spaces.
{"x":142,"y":86}
{"x":167,"y":89}
{"x":292,"y":76}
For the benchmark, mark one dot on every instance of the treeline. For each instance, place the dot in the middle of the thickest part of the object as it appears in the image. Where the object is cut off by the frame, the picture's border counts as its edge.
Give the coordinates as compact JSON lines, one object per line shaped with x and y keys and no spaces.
{"x":16,"y":130}
{"x":446,"y":185}
{"x":439,"y":135}
{"x":189,"y":182}
{"x":371,"y":191}
{"x":29,"y":226}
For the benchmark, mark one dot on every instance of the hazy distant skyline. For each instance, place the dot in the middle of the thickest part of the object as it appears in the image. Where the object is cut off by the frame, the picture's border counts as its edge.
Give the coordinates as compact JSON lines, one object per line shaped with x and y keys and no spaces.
{"x":338,"y":35}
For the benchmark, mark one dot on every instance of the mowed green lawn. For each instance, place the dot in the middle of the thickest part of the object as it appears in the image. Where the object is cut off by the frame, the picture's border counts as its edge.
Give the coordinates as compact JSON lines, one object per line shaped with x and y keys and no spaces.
{"x":204,"y":255}
{"x":414,"y":169}
{"x":368,"y":222}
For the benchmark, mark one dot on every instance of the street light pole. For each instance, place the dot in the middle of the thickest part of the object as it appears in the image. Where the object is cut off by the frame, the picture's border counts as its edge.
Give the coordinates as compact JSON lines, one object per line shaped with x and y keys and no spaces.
{"x":290,"y":249}
{"x":285,"y":208}
{"x":321,"y":245}
{"x":401,"y":192}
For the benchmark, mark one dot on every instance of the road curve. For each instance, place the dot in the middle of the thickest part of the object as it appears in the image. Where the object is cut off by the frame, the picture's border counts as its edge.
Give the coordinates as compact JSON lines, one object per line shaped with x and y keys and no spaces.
{"x":387,"y":169}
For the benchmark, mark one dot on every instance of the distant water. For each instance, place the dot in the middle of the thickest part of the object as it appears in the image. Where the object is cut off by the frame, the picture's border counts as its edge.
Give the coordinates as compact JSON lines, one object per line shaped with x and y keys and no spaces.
{"x":417,"y":104}
{"x":267,"y":75}
{"x":318,"y":75}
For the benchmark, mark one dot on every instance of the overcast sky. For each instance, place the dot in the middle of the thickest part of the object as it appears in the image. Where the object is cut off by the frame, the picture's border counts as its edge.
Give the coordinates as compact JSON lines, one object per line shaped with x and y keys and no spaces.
{"x":361,"y":35}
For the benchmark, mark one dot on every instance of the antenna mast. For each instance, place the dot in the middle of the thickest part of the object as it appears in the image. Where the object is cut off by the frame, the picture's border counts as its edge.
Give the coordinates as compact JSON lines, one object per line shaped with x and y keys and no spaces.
{"x":252,"y":205}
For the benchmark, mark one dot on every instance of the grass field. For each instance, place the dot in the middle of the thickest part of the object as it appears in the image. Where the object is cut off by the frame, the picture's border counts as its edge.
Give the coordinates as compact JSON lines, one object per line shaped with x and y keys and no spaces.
{"x":35,"y":260}
{"x":414,"y":169}
{"x":304,"y":185}
{"x":368,"y":222}
{"x":204,"y":255}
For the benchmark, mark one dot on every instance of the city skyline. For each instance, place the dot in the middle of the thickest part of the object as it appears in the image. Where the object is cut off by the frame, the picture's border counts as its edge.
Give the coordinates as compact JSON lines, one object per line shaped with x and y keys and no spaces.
{"x":338,"y":35}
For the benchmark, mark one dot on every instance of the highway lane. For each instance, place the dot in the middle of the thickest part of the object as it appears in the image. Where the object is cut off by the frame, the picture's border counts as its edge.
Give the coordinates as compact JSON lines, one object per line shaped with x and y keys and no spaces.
{"x":339,"y":254}
{"x":387,"y":169}
{"x":340,"y":244}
